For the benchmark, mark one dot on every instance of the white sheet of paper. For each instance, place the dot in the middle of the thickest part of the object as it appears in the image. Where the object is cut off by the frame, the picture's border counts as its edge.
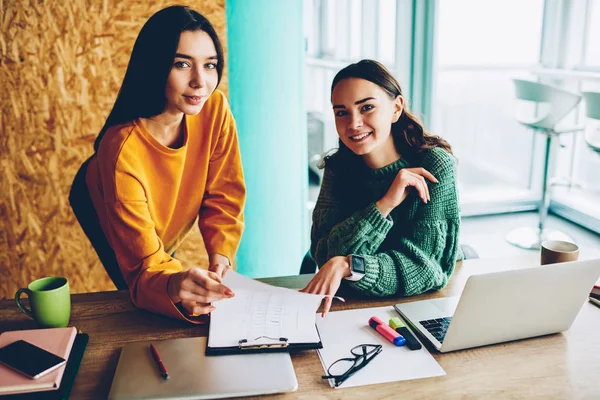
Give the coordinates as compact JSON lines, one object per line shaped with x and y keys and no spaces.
{"x":258,"y":310}
{"x":342,"y":330}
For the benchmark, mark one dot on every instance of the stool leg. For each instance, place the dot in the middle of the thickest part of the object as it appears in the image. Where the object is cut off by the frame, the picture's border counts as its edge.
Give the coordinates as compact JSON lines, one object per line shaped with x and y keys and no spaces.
{"x":531,"y":238}
{"x":545,"y":201}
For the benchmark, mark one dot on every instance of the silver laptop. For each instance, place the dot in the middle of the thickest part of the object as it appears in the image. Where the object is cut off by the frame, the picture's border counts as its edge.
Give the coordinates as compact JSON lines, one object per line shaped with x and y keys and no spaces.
{"x":504,"y":306}
{"x":193,"y":375}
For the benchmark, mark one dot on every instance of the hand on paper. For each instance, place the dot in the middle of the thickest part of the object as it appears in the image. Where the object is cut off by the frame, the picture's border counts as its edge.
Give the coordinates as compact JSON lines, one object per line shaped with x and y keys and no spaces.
{"x":398,"y":191}
{"x":219,"y":264}
{"x":196,"y":289}
{"x":327,"y":280}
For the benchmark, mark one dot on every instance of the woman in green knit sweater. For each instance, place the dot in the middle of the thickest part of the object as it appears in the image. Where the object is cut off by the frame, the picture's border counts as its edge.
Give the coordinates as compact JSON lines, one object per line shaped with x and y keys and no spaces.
{"x":387,"y":217}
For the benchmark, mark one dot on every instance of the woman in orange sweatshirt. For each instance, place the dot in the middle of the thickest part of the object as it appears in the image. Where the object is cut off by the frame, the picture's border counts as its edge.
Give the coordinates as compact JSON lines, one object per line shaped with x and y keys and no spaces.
{"x":167,"y":155}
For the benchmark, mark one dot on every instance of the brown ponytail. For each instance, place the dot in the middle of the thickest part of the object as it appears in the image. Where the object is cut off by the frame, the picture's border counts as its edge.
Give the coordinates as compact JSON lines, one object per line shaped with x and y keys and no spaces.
{"x":410,"y":137}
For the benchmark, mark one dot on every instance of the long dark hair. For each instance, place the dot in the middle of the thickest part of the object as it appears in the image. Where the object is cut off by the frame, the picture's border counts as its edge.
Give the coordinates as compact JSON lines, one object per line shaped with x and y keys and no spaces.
{"x":409,"y":135}
{"x":142,"y":94}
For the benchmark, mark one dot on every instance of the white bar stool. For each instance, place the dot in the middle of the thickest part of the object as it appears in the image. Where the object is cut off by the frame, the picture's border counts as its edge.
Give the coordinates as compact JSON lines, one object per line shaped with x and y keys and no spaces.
{"x":552,"y":105}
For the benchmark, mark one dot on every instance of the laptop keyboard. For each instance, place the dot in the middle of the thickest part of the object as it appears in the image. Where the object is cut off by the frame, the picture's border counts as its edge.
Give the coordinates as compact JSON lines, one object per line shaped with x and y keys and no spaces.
{"x":437,"y":327}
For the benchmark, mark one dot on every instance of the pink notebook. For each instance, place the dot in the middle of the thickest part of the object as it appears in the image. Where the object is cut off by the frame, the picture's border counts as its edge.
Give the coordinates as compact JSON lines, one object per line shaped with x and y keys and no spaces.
{"x":56,"y":340}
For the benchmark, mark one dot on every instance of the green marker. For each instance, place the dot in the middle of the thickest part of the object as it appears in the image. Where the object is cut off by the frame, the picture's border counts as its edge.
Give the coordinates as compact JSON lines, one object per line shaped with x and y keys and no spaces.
{"x":411,"y":342}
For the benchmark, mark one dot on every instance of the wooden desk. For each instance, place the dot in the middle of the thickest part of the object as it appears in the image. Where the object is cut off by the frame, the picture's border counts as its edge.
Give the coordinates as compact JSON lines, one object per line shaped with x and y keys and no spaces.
{"x":562,"y":366}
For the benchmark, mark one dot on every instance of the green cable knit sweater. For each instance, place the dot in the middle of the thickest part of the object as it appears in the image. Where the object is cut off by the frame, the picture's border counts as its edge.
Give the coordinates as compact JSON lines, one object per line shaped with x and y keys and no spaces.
{"x":411,"y":251}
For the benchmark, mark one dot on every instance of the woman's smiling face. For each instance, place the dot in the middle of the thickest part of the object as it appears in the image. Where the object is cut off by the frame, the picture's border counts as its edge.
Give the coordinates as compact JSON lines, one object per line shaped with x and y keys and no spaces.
{"x":364,"y":114}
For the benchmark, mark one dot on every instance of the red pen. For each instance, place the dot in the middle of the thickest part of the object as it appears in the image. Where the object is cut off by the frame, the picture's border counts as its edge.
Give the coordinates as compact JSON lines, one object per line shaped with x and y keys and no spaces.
{"x":159,"y":363}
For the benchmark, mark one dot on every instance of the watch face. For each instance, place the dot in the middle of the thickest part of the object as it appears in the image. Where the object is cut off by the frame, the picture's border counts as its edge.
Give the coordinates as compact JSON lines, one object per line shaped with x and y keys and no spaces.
{"x":358,"y":264}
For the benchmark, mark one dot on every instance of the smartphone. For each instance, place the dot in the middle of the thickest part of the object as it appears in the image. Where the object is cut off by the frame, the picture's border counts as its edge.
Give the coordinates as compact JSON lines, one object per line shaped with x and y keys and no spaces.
{"x":30,"y":360}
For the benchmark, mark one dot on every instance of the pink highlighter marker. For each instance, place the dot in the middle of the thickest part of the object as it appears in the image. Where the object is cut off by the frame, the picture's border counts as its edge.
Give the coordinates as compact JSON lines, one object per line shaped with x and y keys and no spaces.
{"x":386,"y":331}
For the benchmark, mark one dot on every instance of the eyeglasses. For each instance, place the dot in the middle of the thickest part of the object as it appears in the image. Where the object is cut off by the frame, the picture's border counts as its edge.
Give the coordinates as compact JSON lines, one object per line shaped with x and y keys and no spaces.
{"x":344,"y":368}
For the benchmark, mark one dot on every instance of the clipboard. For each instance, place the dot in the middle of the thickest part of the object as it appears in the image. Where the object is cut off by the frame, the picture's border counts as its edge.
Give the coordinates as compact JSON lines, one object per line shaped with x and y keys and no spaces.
{"x":264,"y":344}
{"x":261,"y":319}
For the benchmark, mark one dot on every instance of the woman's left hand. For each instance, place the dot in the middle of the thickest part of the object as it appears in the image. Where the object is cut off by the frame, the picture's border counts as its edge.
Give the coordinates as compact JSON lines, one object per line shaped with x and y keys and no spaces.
{"x":327,"y":280}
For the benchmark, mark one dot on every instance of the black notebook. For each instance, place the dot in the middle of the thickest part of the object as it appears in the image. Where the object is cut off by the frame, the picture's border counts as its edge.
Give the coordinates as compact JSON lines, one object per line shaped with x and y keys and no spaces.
{"x":66,"y":383}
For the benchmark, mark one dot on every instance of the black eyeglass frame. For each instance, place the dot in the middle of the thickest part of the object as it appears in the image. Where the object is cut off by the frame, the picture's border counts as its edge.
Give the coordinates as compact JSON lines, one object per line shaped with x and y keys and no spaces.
{"x":358,"y":362}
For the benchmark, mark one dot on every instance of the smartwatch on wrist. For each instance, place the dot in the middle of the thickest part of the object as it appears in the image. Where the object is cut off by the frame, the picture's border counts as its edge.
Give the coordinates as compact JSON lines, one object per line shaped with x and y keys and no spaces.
{"x":357,"y":267}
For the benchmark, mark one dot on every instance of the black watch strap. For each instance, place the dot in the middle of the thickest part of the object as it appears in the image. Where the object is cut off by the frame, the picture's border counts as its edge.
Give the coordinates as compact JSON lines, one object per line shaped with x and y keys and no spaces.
{"x":358,"y":267}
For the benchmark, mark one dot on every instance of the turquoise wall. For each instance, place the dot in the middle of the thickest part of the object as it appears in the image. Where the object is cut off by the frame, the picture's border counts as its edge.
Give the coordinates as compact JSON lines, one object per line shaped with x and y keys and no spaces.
{"x":266,"y":90}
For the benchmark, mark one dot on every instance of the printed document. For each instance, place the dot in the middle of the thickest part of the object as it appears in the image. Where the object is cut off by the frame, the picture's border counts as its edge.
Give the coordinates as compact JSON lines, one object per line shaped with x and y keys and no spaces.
{"x":262,"y":314}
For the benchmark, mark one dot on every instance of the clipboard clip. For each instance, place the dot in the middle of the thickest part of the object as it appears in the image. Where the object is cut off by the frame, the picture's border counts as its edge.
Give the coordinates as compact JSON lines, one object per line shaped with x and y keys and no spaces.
{"x":246,"y":344}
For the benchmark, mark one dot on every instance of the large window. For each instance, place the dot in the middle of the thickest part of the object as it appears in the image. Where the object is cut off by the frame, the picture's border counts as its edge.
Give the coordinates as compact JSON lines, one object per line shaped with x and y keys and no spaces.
{"x":480,"y":46}
{"x":592,"y":42}
{"x":578,"y":198}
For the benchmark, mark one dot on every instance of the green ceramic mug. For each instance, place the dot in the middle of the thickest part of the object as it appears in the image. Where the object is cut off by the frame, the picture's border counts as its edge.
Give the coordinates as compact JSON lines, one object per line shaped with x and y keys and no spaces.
{"x":50,"y":301}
